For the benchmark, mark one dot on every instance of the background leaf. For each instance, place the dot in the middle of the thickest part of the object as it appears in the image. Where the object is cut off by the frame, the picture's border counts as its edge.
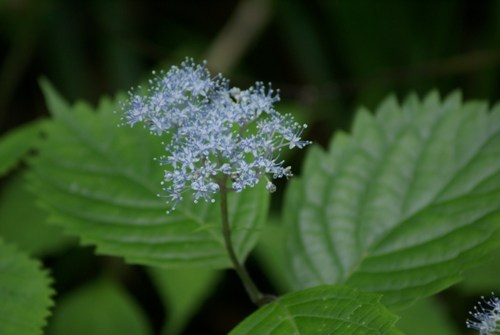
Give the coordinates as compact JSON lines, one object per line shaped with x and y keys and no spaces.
{"x":99,"y":181}
{"x":183,"y":291}
{"x":483,"y":278}
{"x":321,"y":310}
{"x":402,"y":205}
{"x":426,"y":316}
{"x":270,"y":253}
{"x":15,"y":144}
{"x":24,"y":293}
{"x":24,"y":224}
{"x":100,"y":308}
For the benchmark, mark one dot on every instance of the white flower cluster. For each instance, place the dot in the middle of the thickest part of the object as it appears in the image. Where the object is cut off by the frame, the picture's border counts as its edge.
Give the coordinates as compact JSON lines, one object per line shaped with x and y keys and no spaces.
{"x":216,"y":133}
{"x":487,"y":314}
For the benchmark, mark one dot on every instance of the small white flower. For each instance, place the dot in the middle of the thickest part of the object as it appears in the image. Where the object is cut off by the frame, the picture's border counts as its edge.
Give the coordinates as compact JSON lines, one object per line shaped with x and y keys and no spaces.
{"x":487,"y":315}
{"x":270,"y":187}
{"x":209,"y":127}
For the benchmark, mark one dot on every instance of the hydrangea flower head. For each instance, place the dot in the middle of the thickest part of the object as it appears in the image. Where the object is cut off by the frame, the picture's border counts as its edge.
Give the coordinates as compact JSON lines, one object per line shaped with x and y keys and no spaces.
{"x":219,"y":137}
{"x":487,"y":315}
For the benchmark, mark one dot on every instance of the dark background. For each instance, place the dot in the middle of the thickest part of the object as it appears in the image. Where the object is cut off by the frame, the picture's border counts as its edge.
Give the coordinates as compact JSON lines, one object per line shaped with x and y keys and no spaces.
{"x":327,"y":57}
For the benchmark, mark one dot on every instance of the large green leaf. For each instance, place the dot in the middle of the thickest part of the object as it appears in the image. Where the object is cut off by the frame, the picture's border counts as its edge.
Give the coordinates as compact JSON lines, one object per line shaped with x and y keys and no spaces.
{"x":24,"y":293}
{"x":321,"y":310}
{"x":100,"y":308}
{"x":402,"y":205}
{"x":15,"y":144}
{"x":183,"y":291}
{"x":99,"y":181}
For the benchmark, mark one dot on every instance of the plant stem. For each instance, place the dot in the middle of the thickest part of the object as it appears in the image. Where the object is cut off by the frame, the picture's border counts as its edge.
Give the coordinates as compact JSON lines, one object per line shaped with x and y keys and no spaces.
{"x":255,"y":295}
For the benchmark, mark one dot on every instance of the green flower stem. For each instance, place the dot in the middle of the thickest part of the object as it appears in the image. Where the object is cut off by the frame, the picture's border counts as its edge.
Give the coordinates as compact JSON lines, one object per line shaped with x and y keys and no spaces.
{"x":255,"y":295}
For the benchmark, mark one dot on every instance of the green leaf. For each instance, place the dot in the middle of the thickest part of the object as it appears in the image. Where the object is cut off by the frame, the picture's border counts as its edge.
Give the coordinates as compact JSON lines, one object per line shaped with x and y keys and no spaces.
{"x":24,"y":293}
{"x":321,"y":310}
{"x":183,"y":291}
{"x":15,"y":144}
{"x":100,"y":182}
{"x":402,"y":205}
{"x":436,"y":322}
{"x":100,"y":308}
{"x":24,"y":224}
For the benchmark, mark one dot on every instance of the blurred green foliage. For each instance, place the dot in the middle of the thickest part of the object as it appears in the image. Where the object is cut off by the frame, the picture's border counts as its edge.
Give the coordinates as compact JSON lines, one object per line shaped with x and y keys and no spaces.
{"x":326,"y":56}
